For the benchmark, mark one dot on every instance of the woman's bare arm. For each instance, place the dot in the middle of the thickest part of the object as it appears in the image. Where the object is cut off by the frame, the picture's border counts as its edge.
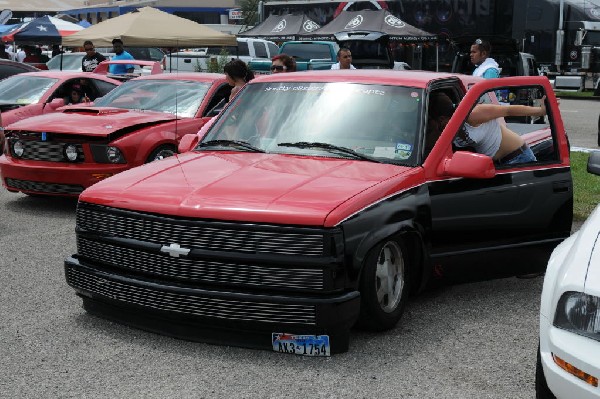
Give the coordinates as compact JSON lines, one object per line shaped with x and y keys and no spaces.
{"x":486,"y":112}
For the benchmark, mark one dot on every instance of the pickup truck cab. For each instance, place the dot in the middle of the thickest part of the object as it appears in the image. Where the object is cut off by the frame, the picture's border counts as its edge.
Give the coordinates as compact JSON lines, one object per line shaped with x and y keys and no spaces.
{"x":308,"y":55}
{"x":198,"y":61}
{"x":315,"y":201}
{"x":370,"y":50}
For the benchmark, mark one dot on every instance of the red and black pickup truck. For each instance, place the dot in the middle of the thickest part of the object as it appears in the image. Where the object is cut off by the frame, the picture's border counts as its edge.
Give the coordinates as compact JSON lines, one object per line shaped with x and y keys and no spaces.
{"x":315,"y":201}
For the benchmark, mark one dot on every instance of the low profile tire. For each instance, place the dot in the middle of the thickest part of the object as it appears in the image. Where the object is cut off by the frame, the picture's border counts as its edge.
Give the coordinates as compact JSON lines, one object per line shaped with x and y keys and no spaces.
{"x":162,"y":152}
{"x":384,"y":286}
{"x":541,"y":386}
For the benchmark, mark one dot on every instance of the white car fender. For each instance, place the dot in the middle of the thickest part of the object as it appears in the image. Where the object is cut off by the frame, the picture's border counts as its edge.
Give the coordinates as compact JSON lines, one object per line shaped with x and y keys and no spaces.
{"x":568,"y":266}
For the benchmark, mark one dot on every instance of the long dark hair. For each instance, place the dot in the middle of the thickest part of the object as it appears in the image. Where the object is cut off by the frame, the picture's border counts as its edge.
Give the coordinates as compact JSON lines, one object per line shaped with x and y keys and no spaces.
{"x":238,"y":69}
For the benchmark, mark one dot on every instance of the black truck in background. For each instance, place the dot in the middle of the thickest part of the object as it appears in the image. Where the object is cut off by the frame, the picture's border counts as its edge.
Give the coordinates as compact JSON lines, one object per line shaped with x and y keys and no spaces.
{"x":505,"y":51}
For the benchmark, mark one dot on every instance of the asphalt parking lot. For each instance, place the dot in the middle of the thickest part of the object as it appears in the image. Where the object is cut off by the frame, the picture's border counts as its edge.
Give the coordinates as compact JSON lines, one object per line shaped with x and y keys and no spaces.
{"x":474,"y":340}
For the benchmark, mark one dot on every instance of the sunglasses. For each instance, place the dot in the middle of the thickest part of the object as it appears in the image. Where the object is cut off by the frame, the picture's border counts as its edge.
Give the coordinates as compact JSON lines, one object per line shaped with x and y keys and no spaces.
{"x":278,"y":68}
{"x":89,"y":49}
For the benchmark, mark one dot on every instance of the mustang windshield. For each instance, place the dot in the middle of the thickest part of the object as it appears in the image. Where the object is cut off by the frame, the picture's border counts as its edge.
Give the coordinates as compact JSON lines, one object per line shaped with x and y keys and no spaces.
{"x":24,"y":90}
{"x":178,"y":97}
{"x":375,"y":122}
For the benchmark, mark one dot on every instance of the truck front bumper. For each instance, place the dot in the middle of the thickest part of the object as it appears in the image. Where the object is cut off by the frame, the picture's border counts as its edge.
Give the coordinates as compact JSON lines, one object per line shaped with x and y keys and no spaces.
{"x":212,"y":315}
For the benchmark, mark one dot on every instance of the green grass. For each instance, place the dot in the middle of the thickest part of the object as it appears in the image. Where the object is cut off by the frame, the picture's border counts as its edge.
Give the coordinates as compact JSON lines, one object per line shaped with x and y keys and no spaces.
{"x":586,"y":187}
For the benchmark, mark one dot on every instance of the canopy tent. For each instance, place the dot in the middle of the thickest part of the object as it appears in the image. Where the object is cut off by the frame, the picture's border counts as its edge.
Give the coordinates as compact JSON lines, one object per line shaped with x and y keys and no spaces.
{"x":150,"y":27}
{"x":282,"y":27}
{"x":43,"y":30}
{"x":8,"y":28}
{"x":372,"y":21}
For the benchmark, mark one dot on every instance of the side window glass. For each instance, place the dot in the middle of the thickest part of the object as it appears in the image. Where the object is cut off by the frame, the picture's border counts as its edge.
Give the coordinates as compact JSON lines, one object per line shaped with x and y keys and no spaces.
{"x":440,"y":108}
{"x":103,"y":87}
{"x":218,"y":101}
{"x":273,"y":49}
{"x":526,"y":137}
{"x":243,"y":49}
{"x":260,"y":49}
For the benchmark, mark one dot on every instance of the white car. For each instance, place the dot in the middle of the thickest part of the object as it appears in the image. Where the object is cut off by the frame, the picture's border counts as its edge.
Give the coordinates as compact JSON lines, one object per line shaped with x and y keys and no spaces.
{"x":568,"y":364}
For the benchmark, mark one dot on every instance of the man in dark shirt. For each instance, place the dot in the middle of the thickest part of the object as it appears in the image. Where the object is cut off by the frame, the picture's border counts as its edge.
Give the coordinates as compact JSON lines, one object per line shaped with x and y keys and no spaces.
{"x":92,"y":58}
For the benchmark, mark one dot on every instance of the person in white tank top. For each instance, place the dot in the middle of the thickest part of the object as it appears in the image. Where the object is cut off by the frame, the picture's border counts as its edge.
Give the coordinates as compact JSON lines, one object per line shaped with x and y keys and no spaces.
{"x":485,"y":130}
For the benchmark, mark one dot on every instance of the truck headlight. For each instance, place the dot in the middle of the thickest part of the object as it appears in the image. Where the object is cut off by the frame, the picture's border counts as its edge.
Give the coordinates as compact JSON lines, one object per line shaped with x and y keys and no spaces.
{"x":70,"y":152}
{"x":18,"y":148}
{"x":579,"y":313}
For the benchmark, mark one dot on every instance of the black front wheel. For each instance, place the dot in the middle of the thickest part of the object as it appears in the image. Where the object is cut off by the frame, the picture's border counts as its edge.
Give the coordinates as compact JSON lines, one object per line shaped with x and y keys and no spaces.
{"x":162,"y":152}
{"x":384,"y":286}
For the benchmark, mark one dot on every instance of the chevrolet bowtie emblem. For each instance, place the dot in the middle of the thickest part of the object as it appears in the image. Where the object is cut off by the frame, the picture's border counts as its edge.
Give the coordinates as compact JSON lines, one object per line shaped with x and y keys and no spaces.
{"x":174,"y":250}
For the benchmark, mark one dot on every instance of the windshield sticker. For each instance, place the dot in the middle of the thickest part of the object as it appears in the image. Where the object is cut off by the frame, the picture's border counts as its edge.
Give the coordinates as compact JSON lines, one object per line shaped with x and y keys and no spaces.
{"x":345,"y":89}
{"x":403,"y":151}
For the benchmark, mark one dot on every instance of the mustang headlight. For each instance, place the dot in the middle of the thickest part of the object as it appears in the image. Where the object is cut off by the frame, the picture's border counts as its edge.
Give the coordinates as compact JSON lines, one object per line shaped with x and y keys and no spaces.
{"x":18,"y":148}
{"x":579,"y":313}
{"x":70,"y":152}
{"x":106,"y":154}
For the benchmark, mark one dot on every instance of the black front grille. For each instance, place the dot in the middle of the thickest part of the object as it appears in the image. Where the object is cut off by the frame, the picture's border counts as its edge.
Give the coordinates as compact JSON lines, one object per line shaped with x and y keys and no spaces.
{"x":46,"y":151}
{"x":42,"y":187}
{"x":200,"y":234}
{"x":200,"y":270}
{"x":195,"y":304}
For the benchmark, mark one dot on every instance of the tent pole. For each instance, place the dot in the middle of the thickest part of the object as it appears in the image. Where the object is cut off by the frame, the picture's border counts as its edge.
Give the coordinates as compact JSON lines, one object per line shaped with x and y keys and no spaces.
{"x":437,"y":57}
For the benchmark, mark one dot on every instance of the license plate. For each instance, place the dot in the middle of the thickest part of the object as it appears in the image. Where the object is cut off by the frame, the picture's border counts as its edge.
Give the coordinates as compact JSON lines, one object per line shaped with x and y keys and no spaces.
{"x":306,"y":345}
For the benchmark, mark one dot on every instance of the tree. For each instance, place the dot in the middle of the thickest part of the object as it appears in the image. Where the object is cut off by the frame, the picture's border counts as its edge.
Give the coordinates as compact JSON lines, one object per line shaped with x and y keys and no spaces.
{"x":249,"y":11}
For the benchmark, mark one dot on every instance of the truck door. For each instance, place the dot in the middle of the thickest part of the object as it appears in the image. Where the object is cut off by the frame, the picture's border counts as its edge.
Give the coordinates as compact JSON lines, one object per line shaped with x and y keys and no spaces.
{"x":514,"y":219}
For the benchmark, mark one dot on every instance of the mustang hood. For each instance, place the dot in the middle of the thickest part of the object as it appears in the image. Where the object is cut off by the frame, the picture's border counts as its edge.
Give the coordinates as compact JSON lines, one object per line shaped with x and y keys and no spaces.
{"x":91,"y":121}
{"x":253,"y":187}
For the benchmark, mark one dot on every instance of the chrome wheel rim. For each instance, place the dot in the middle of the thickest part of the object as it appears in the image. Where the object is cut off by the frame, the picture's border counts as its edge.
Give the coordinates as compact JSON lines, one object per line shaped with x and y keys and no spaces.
{"x":389,"y":276}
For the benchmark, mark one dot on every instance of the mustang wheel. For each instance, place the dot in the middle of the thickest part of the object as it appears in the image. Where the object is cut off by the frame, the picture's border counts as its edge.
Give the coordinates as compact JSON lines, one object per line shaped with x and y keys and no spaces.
{"x":162,"y":152}
{"x":384,"y":286}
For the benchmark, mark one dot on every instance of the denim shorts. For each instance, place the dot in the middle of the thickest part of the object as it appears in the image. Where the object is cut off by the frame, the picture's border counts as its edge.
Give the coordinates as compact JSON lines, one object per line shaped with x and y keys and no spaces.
{"x":524,"y":157}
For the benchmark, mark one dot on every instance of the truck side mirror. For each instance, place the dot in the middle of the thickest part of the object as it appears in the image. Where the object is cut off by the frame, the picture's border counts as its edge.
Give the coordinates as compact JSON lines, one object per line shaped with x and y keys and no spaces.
{"x":470,"y":165}
{"x":187,"y":143}
{"x":57,"y":103}
{"x":593,"y":165}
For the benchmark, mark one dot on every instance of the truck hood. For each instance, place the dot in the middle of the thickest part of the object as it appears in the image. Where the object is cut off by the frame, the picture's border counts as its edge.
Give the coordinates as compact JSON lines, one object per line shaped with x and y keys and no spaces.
{"x":94,"y":121}
{"x":251,"y":187}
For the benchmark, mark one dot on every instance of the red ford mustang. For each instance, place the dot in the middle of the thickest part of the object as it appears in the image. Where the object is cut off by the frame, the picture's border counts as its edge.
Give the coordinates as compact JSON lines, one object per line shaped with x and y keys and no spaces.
{"x":141,"y":121}
{"x":36,"y":93}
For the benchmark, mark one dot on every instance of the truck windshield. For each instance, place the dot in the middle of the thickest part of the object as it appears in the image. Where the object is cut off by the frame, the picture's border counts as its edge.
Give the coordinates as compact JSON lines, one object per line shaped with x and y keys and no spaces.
{"x":377,"y":122}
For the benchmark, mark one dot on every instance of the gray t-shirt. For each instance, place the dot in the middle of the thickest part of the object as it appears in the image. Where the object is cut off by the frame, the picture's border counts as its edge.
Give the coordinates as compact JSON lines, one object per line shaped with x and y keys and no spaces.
{"x":485,"y":138}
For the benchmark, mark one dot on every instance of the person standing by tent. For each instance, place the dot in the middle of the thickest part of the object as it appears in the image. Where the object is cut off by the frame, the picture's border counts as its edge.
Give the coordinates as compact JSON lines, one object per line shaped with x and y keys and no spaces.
{"x":344,"y":58}
{"x":121,"y":54}
{"x":485,"y":66}
{"x":92,"y":58}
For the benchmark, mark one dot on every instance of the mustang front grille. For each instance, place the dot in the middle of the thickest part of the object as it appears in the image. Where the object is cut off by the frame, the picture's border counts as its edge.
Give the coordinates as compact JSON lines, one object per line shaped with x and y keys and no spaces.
{"x":46,"y":151}
{"x":190,"y":303}
{"x":200,"y":270}
{"x":232,"y":237}
{"x":42,"y":187}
